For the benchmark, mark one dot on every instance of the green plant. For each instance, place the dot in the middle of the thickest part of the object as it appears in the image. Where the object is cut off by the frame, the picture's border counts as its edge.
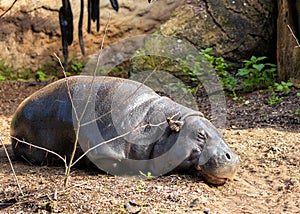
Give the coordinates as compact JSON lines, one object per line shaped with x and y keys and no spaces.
{"x":273,"y":100}
{"x":283,"y":87}
{"x":118,"y":69}
{"x":140,"y":187}
{"x":123,"y":208}
{"x":193,"y":66}
{"x":77,"y":67}
{"x":256,"y":74}
{"x":218,"y":63}
{"x":221,"y":67}
{"x":190,"y":66}
{"x":191,"y":69}
{"x":229,"y":82}
{"x":297,"y":113}
{"x":173,"y":87}
{"x":7,"y":72}
{"x":40,"y":76}
{"x":298,"y":94}
{"x":48,"y":206}
{"x":148,"y":176}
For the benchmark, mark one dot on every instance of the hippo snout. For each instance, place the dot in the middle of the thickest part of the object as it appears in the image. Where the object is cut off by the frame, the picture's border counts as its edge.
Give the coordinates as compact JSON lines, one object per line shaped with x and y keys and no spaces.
{"x":218,"y":163}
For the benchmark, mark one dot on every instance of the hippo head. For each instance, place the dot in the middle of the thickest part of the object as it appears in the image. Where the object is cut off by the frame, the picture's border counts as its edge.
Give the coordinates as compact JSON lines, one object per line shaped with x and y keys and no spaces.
{"x":211,"y":156}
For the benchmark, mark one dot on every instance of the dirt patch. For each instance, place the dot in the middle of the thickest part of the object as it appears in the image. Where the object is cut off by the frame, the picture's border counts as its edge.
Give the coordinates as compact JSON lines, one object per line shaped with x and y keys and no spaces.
{"x":266,"y":138}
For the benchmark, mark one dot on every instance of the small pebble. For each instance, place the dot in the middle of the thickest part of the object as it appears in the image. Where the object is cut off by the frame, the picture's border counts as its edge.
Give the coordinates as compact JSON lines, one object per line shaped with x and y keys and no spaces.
{"x":194,"y":203}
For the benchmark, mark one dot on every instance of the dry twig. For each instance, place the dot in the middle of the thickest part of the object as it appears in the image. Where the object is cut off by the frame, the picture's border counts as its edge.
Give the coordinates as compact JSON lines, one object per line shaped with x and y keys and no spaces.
{"x":41,"y":148}
{"x":297,"y":41}
{"x":12,"y":167}
{"x":79,"y":119}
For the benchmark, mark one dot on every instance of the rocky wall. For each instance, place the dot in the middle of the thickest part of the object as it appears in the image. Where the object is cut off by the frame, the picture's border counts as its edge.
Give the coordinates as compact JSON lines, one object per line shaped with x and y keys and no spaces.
{"x":30,"y":32}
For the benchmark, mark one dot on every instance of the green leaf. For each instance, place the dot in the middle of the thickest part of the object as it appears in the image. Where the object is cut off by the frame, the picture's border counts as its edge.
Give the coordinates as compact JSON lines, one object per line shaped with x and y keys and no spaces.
{"x":243,"y":72}
{"x":41,"y":76}
{"x":2,"y":78}
{"x":279,"y":87}
{"x":261,"y":58}
{"x":270,"y":64}
{"x":206,"y":50}
{"x":258,"y":67}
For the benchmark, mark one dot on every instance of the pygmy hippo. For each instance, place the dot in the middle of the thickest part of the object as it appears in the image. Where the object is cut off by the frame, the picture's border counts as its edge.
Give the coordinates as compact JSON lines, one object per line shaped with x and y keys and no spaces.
{"x":123,"y":126}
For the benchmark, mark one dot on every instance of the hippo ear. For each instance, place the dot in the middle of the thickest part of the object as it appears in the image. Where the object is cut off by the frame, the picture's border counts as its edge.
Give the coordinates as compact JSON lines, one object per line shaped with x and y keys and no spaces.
{"x":197,"y":113}
{"x":175,"y":125}
{"x":201,"y":114}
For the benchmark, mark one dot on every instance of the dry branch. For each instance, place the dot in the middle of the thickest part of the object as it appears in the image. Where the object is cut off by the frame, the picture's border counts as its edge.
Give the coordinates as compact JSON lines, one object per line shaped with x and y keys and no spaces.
{"x":41,"y":148}
{"x":297,"y":41}
{"x":12,"y":167}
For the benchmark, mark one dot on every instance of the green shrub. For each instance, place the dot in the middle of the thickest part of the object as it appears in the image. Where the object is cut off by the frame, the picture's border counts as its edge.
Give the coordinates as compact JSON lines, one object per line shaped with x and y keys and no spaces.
{"x":256,"y":75}
{"x":221,"y":67}
{"x":273,"y":100}
{"x":199,"y":63}
{"x":77,"y":67}
{"x":283,"y":87}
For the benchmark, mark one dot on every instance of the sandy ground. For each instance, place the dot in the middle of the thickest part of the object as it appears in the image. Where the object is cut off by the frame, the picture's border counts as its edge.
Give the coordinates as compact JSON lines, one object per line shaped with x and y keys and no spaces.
{"x":267,"y":181}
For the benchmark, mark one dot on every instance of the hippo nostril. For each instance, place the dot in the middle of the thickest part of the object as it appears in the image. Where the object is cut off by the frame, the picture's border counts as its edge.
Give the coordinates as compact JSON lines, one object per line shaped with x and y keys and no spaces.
{"x":228,"y":156}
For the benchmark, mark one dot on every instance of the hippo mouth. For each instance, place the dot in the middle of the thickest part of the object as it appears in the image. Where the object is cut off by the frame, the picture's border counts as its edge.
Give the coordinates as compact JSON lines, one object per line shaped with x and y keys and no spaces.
{"x":211,"y":178}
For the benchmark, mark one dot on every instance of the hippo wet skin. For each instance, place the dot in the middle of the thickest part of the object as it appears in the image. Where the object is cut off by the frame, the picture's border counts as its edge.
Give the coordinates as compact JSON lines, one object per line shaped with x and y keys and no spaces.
{"x":131,"y":129}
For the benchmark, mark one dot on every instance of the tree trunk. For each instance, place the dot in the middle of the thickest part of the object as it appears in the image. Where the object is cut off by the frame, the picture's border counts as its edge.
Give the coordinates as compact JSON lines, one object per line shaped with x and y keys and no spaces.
{"x":288,"y":50}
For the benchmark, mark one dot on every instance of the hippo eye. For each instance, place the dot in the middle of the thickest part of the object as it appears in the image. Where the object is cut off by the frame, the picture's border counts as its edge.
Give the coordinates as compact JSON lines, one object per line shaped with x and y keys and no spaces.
{"x":147,"y":128}
{"x":201,"y":135}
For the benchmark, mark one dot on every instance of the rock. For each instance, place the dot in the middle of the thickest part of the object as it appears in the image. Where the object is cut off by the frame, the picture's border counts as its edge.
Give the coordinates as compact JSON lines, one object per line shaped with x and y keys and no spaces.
{"x":30,"y":32}
{"x":235,"y":29}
